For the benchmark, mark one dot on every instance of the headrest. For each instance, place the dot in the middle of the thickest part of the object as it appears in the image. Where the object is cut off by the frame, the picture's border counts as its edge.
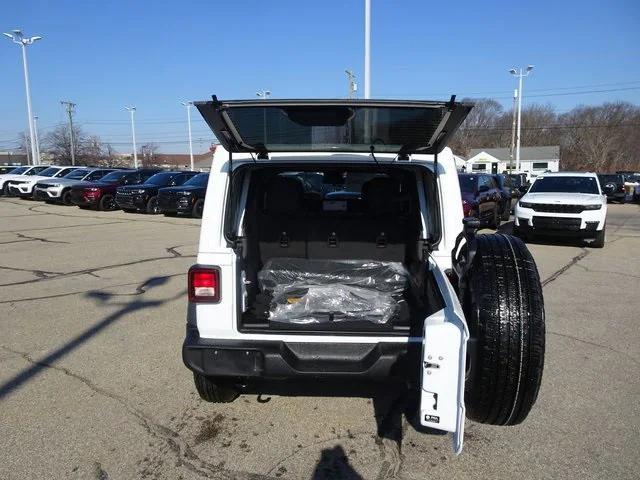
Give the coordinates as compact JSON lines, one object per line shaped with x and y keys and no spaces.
{"x":378,"y":195}
{"x":284,"y":195}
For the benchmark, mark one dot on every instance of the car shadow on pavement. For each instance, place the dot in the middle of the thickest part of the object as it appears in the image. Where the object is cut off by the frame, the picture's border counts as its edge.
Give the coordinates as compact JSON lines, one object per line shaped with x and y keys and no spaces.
{"x":38,"y":365}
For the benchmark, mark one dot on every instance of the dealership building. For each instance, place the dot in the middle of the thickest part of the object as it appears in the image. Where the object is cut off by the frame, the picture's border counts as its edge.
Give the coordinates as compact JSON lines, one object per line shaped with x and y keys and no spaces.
{"x":533,"y":160}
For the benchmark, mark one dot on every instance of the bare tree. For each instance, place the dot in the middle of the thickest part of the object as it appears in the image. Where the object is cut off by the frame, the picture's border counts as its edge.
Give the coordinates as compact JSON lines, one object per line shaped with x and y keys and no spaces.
{"x":477,"y":128}
{"x":597,"y":138}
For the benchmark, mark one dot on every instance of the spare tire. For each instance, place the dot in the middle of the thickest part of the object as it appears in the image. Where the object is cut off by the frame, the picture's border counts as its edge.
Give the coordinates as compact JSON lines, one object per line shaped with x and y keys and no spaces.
{"x":503,"y":304}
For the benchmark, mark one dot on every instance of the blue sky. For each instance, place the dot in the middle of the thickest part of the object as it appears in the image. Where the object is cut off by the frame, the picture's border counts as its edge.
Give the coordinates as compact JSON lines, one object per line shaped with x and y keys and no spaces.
{"x":106,"y":54}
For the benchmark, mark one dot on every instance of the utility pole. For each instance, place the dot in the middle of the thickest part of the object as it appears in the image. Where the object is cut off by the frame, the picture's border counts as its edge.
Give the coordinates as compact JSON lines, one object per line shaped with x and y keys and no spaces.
{"x":18,"y":38}
{"x":70,"y":106}
{"x":353,"y":86}
{"x":132,"y":111}
{"x":513,"y":130}
{"x":189,"y":105}
{"x":521,"y":73}
{"x":38,"y":160}
{"x":367,"y":49}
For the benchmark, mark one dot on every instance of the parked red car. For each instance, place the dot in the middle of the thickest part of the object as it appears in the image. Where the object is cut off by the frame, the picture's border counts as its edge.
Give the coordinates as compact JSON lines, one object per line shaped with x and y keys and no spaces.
{"x":481,"y":198}
{"x":102,"y":194}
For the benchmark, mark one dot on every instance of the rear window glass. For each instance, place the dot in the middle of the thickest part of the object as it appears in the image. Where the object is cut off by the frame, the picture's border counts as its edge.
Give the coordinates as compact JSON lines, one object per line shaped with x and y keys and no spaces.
{"x":337,"y":128}
{"x":611,"y":178}
{"x":565,"y":185}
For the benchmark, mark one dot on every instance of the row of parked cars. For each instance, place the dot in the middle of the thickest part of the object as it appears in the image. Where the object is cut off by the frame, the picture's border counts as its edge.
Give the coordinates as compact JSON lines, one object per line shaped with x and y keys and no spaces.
{"x":564,"y":204}
{"x":148,"y":190}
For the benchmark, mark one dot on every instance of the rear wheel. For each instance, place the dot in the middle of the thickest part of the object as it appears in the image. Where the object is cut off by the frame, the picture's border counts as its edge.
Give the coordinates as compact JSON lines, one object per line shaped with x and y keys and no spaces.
{"x":65,"y":198}
{"x":5,"y":190}
{"x":214,"y":391}
{"x":198,"y":207}
{"x":505,"y":312}
{"x":108,"y":202}
{"x":152,"y":206}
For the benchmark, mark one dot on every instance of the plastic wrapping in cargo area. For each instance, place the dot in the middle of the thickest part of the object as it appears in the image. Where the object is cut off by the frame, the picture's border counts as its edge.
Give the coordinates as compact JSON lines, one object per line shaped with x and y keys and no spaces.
{"x":335,"y":249}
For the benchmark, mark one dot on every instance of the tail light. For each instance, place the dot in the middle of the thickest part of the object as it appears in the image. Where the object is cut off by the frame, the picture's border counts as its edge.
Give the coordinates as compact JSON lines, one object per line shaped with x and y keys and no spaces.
{"x":204,"y":284}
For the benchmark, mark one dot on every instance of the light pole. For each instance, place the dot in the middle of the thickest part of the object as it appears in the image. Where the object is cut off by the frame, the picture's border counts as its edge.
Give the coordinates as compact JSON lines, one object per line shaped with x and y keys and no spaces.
{"x":520,"y":74}
{"x":70,"y":107}
{"x":367,"y":48}
{"x":264,"y":94}
{"x":35,"y":131}
{"x":18,"y":38}
{"x":189,"y":105}
{"x":513,"y":131}
{"x":132,"y":111}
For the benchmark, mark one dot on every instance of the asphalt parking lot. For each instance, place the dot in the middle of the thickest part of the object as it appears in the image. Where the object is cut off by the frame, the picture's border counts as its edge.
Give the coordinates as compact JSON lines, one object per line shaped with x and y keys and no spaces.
{"x":92,"y":385}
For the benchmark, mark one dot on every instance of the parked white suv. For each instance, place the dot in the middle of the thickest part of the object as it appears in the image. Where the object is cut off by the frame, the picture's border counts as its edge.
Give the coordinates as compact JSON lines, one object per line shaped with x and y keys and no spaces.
{"x":19,"y":173}
{"x":563,"y":204}
{"x":332,"y":251}
{"x":23,"y":187}
{"x":59,"y":189}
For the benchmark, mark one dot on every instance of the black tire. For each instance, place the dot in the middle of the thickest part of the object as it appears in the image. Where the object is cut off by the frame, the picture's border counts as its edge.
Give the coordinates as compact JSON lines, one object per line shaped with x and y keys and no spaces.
{"x":108,"y":203}
{"x":598,"y":242}
{"x":65,"y":198}
{"x":197,"y":208}
{"x":506,"y":213}
{"x":152,"y":206}
{"x":505,"y":311}
{"x":5,"y":190}
{"x":213,"y":392}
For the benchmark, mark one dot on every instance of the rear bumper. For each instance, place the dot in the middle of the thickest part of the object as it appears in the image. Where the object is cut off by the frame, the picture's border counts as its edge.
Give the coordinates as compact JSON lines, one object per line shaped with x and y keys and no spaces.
{"x":618,"y":196}
{"x":275,"y":359}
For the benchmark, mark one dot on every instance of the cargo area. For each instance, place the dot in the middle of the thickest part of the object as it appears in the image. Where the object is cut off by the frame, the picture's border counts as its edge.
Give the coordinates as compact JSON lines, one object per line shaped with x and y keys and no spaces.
{"x":335,"y":249}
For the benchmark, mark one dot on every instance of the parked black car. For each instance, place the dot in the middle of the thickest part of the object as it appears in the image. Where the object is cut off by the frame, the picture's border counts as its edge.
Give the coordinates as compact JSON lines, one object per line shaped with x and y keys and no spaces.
{"x":187,"y":199}
{"x":102,"y":194}
{"x":613,"y":185}
{"x":144,"y":197}
{"x":481,"y":198}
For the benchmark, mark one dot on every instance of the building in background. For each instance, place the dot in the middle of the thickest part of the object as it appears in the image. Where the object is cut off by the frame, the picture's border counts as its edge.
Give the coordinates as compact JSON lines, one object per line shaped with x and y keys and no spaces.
{"x":12,"y":158}
{"x":533,"y":160}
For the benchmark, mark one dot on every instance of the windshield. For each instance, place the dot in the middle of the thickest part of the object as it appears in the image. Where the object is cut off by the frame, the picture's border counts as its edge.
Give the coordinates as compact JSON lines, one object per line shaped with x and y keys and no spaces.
{"x":610,"y":178}
{"x":467,"y":183}
{"x":114,"y":177}
{"x":49,"y":172}
{"x":18,"y":171}
{"x":199,"y":180}
{"x":565,"y":185}
{"x":78,"y":174}
{"x":161,"y":178}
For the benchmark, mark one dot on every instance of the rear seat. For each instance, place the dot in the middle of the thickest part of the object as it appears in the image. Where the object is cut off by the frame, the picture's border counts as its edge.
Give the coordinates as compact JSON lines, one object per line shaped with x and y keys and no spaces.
{"x":281,"y":224}
{"x":380,"y":235}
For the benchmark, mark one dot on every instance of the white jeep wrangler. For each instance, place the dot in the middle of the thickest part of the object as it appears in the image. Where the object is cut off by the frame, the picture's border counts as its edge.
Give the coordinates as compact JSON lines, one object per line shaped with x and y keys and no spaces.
{"x":333,"y":251}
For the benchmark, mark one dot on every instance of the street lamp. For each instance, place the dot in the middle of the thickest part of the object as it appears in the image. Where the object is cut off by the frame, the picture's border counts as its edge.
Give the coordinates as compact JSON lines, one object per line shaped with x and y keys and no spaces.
{"x":189,"y":105}
{"x":18,"y":38}
{"x":520,"y":74}
{"x":35,"y":129}
{"x":132,"y":111}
